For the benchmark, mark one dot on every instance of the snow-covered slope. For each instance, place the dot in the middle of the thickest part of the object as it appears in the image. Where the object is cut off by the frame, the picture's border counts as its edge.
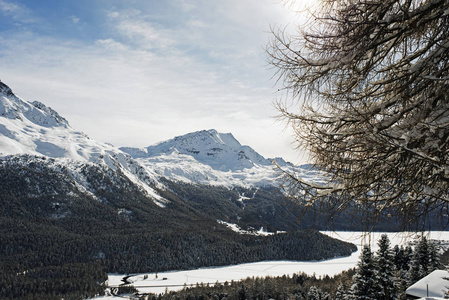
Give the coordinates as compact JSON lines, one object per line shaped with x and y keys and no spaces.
{"x":208,"y":157}
{"x":34,"y":129}
{"x":220,"y":151}
{"x":203,"y":157}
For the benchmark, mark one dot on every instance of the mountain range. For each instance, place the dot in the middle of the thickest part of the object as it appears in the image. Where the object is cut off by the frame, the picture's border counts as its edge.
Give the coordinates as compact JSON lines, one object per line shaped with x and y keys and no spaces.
{"x":244,"y":192}
{"x":203,"y":157}
{"x":73,"y":208}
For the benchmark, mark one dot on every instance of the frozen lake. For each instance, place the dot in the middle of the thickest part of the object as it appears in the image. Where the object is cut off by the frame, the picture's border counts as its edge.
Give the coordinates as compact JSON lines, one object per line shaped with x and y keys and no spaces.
{"x":175,"y":280}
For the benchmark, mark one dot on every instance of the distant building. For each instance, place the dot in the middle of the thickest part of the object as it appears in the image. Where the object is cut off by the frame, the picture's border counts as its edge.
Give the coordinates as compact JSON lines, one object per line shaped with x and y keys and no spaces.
{"x":432,"y":287}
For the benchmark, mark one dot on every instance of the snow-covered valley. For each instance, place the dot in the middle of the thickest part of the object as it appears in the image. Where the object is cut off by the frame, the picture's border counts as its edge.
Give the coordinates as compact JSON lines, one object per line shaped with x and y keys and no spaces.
{"x":176,"y":280}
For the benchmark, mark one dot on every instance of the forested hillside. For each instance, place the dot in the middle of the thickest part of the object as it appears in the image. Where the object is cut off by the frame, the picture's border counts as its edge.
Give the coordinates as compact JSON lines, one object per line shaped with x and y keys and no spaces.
{"x":51,"y":228}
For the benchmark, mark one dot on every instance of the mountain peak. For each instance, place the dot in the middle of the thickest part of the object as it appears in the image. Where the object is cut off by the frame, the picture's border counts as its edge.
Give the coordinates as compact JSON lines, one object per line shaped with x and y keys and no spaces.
{"x":220,"y":151}
{"x":207,"y":139}
{"x":36,"y":129}
{"x":14,"y":108}
{"x":5,"y":90}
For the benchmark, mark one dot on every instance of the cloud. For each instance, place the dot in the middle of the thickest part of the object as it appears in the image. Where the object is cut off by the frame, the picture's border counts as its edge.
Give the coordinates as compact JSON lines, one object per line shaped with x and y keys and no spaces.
{"x":112,"y":45}
{"x":9,"y":8}
{"x":142,"y":34}
{"x":17,"y":12}
{"x":149,"y":77}
{"x":74,"y":19}
{"x":134,"y":28}
{"x":113,"y":14}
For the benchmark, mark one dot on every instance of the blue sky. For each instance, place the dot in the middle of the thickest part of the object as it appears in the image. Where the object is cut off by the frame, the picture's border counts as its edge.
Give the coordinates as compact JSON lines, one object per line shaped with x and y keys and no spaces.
{"x":136,"y":72}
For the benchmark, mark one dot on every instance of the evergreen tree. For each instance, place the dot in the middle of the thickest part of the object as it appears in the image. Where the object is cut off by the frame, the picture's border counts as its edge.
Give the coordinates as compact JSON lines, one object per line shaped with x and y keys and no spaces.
{"x":364,"y":283}
{"x":434,"y":258}
{"x":402,"y":257}
{"x":422,"y":251}
{"x":340,"y":293}
{"x":400,"y":284}
{"x":425,"y":259}
{"x":386,"y":268}
{"x":416,"y":271}
{"x":418,"y":262}
{"x":408,"y":254}
{"x":313,"y":294}
{"x":398,"y":258}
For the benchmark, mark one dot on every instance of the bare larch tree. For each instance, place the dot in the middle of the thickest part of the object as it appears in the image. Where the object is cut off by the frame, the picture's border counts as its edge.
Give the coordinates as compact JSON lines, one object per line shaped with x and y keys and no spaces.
{"x":370,"y":80}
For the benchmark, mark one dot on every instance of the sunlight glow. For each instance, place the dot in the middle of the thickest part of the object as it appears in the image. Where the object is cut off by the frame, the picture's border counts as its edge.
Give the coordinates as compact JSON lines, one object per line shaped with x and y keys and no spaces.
{"x":301,"y":5}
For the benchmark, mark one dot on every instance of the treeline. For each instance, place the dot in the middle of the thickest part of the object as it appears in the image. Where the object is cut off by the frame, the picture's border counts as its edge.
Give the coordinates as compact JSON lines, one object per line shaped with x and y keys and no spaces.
{"x":383,"y":275}
{"x":297,"y":286}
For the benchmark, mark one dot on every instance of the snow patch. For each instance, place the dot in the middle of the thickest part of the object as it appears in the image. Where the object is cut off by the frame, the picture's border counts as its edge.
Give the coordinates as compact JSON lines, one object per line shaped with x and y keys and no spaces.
{"x":234,"y":227}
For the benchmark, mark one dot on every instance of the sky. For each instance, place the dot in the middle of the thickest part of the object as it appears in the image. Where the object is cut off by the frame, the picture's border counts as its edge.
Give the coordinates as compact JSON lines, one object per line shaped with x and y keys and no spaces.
{"x":136,"y":72}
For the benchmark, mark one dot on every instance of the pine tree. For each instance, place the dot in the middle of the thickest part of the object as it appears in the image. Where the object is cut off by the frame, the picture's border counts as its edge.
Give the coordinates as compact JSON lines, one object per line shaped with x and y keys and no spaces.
{"x":400,"y":284}
{"x":425,"y":259}
{"x":408,"y":254}
{"x":402,"y":257}
{"x":398,"y":256}
{"x":434,"y":258}
{"x":416,"y":271}
{"x":313,"y":293}
{"x":340,"y":293}
{"x":386,"y":268}
{"x":364,"y":283}
{"x":423,"y":254}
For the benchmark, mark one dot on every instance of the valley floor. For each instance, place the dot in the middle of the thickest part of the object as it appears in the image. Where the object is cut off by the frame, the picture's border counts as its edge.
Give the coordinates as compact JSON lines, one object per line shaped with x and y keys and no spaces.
{"x":175,"y":280}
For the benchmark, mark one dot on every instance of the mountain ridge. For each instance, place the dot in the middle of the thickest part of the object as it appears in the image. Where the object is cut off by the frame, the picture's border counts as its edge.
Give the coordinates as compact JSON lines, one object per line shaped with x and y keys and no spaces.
{"x":31,"y":128}
{"x":196,"y":158}
{"x":206,"y":146}
{"x":208,"y":157}
{"x":13,"y":107}
{"x":202,"y":157}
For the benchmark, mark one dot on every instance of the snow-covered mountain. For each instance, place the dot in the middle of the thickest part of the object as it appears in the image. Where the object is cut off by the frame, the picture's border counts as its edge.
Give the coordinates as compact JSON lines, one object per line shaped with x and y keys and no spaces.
{"x":208,"y":157}
{"x":221,"y":151}
{"x":204,"y":157}
{"x":42,"y":156}
{"x":70,"y":202}
{"x":31,"y":128}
